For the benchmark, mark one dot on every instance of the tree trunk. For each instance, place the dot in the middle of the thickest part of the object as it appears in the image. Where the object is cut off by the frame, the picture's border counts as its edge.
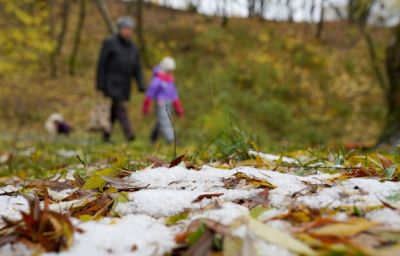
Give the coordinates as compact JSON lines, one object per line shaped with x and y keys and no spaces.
{"x":52,"y":19}
{"x":60,"y":39}
{"x":290,"y":10}
{"x":251,"y":7}
{"x":373,"y":56}
{"x":102,"y":6}
{"x":225,"y":18}
{"x":391,"y":131}
{"x":359,"y":11}
{"x":130,"y":7}
{"x":312,"y":8}
{"x":77,"y":36}
{"x":262,"y":6}
{"x":320,"y":26}
{"x":139,"y":30}
{"x":351,"y":11}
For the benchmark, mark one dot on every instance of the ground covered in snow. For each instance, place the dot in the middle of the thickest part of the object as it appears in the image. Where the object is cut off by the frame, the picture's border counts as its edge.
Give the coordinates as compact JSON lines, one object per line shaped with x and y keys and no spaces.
{"x":247,"y":209}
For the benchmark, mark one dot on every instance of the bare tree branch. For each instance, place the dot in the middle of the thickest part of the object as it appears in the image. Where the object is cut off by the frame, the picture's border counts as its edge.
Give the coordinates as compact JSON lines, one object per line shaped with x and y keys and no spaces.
{"x":102,"y":6}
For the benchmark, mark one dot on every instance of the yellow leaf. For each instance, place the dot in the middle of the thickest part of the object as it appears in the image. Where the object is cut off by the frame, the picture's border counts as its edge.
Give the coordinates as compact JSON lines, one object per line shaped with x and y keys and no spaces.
{"x":85,"y":217}
{"x":278,"y":237}
{"x":254,"y":181}
{"x":111,"y":190}
{"x":95,"y":181}
{"x":350,"y":228}
{"x":232,"y":246}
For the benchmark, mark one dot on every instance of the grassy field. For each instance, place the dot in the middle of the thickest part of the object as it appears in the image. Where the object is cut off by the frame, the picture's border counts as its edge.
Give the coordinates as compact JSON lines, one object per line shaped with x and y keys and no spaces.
{"x":275,"y":81}
{"x":250,"y":87}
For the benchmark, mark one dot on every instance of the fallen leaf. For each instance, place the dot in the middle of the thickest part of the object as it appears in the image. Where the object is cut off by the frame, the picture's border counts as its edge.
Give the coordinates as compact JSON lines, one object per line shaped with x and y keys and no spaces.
{"x":257,"y":211}
{"x":157,"y":162}
{"x":172,"y":220}
{"x":254,"y":181}
{"x":385,"y":161}
{"x":96,"y":181}
{"x":232,"y":246}
{"x":277,"y":237}
{"x":121,"y":184}
{"x":201,"y":197}
{"x":260,"y":199}
{"x":203,"y":245}
{"x":44,"y":184}
{"x":181,"y":237}
{"x":176,"y":161}
{"x":346,"y":229}
{"x":50,"y":230}
{"x":211,"y":224}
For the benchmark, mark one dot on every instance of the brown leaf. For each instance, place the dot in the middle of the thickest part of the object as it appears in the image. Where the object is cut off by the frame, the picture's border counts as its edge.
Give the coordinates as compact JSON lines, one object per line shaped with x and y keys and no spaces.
{"x":231,"y":183}
{"x":157,"y":162}
{"x":386,"y":162}
{"x":176,"y":161}
{"x":254,"y":181}
{"x":260,"y":199}
{"x":5,"y":239}
{"x":315,"y":224}
{"x":203,"y":246}
{"x":53,"y":185}
{"x":121,"y":184}
{"x":211,"y":224}
{"x":134,"y":247}
{"x":386,"y":204}
{"x":79,"y":182}
{"x":181,"y":237}
{"x":361,"y":172}
{"x":50,"y":230}
{"x":201,"y":197}
{"x":96,"y":208}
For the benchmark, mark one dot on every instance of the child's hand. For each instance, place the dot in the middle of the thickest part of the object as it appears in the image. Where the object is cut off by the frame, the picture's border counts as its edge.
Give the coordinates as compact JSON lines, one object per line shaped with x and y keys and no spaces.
{"x":178,"y":108}
{"x":146,"y":106}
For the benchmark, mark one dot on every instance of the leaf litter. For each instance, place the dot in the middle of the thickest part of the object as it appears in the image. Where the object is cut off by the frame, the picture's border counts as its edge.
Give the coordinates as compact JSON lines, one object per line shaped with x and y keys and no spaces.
{"x":257,"y":206}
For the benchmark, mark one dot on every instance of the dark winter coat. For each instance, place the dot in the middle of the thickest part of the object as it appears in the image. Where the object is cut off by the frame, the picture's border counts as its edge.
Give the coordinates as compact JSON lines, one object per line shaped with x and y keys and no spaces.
{"x":118,"y":63}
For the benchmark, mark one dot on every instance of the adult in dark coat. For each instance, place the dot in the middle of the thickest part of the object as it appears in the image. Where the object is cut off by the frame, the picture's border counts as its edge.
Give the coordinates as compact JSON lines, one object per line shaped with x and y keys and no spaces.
{"x":118,"y":63}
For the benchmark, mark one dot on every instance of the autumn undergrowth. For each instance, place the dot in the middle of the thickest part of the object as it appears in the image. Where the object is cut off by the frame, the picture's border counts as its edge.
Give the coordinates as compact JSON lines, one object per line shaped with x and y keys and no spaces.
{"x":42,"y":157}
{"x":279,"y":81}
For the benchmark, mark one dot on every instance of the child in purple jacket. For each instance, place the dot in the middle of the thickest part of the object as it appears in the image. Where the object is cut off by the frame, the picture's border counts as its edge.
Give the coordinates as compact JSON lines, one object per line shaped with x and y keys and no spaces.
{"x":162,"y":91}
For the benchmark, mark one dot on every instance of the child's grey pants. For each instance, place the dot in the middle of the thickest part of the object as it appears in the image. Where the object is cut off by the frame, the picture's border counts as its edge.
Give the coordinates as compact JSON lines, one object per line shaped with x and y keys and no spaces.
{"x":163,"y":126}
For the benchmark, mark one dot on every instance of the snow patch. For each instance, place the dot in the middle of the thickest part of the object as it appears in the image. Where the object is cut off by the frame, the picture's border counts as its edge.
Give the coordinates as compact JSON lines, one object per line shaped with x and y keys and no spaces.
{"x":165,"y":202}
{"x":60,"y":195}
{"x":224,"y":215}
{"x":386,"y":216}
{"x":272,"y":158}
{"x":138,"y":235}
{"x":11,"y":207}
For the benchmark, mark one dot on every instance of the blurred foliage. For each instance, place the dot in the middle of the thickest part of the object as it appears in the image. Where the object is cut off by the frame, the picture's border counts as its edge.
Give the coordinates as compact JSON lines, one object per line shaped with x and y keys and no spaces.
{"x":275,"y":78}
{"x":24,"y":35}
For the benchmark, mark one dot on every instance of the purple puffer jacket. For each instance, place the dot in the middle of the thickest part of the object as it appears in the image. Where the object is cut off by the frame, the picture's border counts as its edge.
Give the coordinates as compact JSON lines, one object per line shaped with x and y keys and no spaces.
{"x":162,"y":87}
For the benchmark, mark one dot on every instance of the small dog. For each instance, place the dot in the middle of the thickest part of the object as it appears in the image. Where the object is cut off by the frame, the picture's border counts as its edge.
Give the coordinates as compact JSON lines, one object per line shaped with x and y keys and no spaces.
{"x":56,"y":125}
